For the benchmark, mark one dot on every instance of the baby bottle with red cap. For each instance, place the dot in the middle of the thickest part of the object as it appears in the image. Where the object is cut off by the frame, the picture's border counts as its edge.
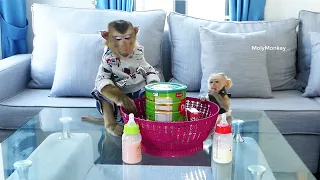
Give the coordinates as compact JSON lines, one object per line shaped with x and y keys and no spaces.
{"x":222,"y":142}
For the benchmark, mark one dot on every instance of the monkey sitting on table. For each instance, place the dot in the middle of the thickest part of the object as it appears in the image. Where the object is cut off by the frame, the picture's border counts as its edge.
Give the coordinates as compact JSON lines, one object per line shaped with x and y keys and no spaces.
{"x":217,"y":93}
{"x":122,"y":75}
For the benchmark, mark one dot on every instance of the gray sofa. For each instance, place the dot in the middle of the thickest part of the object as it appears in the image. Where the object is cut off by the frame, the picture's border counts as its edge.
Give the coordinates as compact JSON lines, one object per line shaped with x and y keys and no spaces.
{"x":296,"y":117}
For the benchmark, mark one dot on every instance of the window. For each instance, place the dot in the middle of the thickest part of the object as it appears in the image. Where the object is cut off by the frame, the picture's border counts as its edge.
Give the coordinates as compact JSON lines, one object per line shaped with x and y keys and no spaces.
{"x":166,"y":5}
{"x":206,"y":9}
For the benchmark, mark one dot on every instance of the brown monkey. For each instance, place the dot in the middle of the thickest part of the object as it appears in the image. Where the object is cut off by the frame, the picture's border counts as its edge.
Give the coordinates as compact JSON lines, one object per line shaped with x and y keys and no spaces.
{"x":217,"y":93}
{"x":122,"y":74}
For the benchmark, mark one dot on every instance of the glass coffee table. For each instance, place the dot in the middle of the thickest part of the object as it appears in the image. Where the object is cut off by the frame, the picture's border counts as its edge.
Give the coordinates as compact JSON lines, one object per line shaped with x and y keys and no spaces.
{"x":39,"y":140}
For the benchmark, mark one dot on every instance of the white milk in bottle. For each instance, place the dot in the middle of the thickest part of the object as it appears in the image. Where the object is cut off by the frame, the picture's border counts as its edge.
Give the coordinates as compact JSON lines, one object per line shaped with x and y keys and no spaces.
{"x":222,"y":142}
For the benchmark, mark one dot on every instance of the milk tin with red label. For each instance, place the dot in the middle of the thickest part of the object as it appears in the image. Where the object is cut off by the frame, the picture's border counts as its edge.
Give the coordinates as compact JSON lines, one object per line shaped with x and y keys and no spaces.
{"x":165,"y":101}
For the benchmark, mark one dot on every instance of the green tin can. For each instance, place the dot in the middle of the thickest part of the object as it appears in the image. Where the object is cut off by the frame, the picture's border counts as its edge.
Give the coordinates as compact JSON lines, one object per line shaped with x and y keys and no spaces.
{"x":165,"y":101}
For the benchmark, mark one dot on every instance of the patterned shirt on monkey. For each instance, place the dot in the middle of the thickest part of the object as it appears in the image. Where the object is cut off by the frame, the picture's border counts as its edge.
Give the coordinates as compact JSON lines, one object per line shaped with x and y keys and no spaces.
{"x":129,"y":73}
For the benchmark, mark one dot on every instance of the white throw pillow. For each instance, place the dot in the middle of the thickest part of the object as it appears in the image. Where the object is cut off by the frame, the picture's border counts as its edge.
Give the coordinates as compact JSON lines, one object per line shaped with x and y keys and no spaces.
{"x":48,"y":19}
{"x":313,"y":86}
{"x":233,"y":55}
{"x":78,"y":60}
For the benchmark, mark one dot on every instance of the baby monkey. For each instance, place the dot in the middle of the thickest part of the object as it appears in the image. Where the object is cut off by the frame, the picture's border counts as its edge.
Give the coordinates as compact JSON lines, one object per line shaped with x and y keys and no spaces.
{"x":218,"y":83}
{"x":122,"y":75}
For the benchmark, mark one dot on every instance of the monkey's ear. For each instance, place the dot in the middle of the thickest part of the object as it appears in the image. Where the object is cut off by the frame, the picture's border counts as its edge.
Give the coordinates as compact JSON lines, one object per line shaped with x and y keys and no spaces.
{"x":228,"y":82}
{"x":136,"y":29}
{"x":104,"y":34}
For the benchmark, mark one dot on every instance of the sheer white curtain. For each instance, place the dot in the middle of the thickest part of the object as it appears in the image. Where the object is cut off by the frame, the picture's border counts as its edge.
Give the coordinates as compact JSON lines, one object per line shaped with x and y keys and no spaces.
{"x":166,"y":5}
{"x":206,"y":9}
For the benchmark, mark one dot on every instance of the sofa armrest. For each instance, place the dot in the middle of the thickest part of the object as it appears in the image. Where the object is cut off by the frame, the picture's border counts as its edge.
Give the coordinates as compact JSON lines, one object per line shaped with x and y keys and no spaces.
{"x":14,"y":75}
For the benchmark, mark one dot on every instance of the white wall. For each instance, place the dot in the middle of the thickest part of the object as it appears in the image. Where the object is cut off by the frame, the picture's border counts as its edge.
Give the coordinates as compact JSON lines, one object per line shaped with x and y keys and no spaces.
{"x":283,"y":9}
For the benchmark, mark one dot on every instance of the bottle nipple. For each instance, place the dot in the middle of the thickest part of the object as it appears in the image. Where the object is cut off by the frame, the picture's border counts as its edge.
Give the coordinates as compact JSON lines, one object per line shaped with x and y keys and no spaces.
{"x":223,"y":127}
{"x":131,"y":127}
{"x":131,"y":121}
{"x":224,"y":119}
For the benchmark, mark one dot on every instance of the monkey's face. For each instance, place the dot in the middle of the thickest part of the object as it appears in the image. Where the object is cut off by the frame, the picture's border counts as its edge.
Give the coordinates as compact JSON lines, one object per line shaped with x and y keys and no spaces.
{"x":122,"y":44}
{"x":218,"y":81}
{"x":121,"y":37}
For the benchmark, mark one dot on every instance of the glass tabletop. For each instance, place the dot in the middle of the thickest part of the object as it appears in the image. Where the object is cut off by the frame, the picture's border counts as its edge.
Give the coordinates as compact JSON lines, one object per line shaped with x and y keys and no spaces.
{"x":263,"y":145}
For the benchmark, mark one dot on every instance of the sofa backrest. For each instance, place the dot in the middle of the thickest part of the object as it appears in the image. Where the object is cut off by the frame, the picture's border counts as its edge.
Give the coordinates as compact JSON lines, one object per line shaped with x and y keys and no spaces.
{"x":166,"y":55}
{"x":166,"y":59}
{"x":49,"y":20}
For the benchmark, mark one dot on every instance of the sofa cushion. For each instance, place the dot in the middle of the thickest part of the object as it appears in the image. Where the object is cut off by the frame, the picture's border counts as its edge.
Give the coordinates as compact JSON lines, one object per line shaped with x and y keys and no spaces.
{"x":283,"y":100}
{"x":233,"y":59}
{"x":48,"y":19}
{"x":289,"y":122}
{"x":15,"y":117}
{"x":317,"y":100}
{"x":41,"y":98}
{"x":313,"y":87}
{"x":309,"y":22}
{"x":78,"y":60}
{"x":290,"y":100}
{"x":186,"y":48}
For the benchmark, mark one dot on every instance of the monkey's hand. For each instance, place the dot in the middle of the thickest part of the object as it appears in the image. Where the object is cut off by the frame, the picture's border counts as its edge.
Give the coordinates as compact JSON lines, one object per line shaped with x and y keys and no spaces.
{"x":121,"y":99}
{"x":203,"y":99}
{"x":228,"y":113}
{"x":153,"y":82}
{"x":128,"y":104}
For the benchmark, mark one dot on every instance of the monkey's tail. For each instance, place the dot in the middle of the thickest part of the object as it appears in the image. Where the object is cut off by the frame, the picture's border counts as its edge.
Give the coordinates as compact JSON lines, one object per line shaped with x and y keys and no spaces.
{"x":92,"y":119}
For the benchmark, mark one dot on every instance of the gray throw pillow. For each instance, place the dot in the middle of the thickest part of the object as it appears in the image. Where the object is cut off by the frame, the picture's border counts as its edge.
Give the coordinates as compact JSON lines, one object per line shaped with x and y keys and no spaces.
{"x":78,"y":60}
{"x":186,"y":49}
{"x":233,"y":54}
{"x":309,"y":22}
{"x":313,"y":87}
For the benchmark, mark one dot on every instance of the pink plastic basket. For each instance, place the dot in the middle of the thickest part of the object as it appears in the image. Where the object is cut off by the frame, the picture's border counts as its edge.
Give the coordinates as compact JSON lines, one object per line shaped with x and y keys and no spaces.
{"x":175,"y":139}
